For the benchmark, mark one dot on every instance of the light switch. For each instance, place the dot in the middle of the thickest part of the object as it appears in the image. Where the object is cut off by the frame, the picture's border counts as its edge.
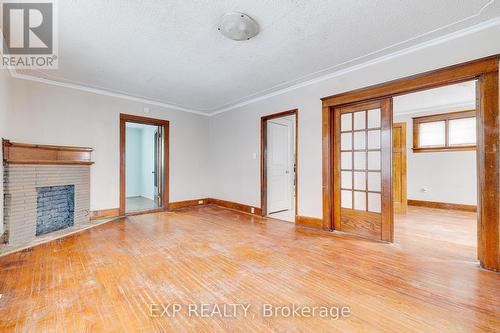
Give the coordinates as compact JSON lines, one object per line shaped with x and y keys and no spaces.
{"x":254,"y":156}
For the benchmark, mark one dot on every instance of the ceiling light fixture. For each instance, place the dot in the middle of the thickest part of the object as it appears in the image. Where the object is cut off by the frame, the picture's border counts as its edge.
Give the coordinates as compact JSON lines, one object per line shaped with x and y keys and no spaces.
{"x":238,"y":26}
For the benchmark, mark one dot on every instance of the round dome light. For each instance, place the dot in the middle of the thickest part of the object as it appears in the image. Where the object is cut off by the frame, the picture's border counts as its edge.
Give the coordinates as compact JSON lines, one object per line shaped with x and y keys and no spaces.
{"x":238,"y":26}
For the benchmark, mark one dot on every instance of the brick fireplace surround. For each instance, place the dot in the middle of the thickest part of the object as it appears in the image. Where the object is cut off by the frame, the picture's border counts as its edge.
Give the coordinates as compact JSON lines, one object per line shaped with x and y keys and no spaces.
{"x":30,"y":172}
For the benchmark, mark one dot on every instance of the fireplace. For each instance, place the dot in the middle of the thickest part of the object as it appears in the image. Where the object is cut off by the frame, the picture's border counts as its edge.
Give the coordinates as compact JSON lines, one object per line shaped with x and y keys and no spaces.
{"x":55,"y":208}
{"x":46,"y":188}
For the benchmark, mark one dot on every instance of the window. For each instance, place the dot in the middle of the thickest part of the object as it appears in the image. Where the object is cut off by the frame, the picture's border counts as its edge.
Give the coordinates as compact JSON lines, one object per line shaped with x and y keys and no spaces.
{"x":432,"y":134}
{"x":462,"y":131}
{"x":443,"y":132}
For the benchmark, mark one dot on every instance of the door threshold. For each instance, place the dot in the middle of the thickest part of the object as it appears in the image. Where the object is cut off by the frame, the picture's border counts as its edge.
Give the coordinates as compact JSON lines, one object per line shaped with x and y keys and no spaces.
{"x":142,"y":212}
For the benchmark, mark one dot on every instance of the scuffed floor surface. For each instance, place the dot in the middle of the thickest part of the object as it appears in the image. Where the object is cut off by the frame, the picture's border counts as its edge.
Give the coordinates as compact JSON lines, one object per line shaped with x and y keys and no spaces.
{"x":104,"y":279}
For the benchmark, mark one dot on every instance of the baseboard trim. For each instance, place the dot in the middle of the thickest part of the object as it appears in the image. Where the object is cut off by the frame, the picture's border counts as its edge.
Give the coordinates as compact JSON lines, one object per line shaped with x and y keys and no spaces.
{"x":188,"y":203}
{"x":442,"y":205}
{"x":236,"y":206}
{"x":104,"y":214}
{"x":115,"y":212}
{"x":310,"y":222}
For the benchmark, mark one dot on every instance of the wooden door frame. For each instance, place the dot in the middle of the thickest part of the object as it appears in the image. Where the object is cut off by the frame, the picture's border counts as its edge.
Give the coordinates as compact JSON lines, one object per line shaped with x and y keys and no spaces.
{"x":485,"y":71}
{"x":404,"y":179}
{"x":263,"y":157}
{"x":124,"y":118}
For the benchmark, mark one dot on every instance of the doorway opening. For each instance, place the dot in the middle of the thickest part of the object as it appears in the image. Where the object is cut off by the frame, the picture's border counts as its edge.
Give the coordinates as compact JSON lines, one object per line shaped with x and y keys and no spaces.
{"x":279,"y":165}
{"x":144,"y":165}
{"x":435,"y":170}
{"x":485,"y":74}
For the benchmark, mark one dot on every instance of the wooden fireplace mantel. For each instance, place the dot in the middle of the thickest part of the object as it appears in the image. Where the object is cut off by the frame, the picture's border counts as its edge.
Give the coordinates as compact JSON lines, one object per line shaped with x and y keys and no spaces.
{"x":21,"y":153}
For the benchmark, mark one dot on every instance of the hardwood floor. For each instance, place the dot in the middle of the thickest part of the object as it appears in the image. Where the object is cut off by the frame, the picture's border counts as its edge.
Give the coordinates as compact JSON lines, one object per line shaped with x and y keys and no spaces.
{"x":104,"y":279}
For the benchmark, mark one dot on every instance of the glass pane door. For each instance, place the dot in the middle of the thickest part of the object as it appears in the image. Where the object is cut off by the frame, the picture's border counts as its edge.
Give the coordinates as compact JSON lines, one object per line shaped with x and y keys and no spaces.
{"x":359,"y":178}
{"x":360,"y":157}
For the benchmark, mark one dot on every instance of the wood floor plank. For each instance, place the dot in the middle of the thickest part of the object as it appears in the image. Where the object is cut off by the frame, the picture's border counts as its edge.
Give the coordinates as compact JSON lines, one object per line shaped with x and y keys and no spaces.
{"x":105,"y":278}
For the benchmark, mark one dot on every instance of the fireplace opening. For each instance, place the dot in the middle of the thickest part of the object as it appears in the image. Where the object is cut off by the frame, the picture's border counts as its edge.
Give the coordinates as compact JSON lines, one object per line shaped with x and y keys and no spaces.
{"x":55,"y":208}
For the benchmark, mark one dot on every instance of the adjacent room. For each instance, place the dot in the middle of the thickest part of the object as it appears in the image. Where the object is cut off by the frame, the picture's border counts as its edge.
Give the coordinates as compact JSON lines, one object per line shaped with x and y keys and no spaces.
{"x":250,"y":166}
{"x":434,"y":169}
{"x":142,"y":156}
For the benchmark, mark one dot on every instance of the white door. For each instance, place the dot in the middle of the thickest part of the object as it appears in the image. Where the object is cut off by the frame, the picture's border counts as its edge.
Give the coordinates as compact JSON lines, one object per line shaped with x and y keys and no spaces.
{"x":278,"y":166}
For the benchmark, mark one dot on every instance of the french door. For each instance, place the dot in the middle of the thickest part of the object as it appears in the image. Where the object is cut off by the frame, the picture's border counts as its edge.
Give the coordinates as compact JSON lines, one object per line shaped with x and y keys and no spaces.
{"x":362,"y":162}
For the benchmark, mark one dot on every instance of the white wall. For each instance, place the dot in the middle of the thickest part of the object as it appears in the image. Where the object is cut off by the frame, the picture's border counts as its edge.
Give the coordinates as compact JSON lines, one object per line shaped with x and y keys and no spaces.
{"x":235,"y":135}
{"x":46,"y":114}
{"x":133,"y":158}
{"x":226,"y":166}
{"x":448,"y":176}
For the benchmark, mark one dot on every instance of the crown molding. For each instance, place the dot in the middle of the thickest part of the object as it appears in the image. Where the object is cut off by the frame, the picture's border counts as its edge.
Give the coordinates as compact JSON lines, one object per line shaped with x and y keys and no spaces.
{"x":321,"y":76}
{"x":103,"y":92}
{"x":317,"y":77}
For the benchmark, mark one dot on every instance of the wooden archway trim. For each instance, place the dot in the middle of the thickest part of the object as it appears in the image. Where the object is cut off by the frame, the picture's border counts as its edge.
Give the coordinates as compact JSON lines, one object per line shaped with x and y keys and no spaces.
{"x":441,"y":77}
{"x":485,"y":71}
{"x":124,"y":118}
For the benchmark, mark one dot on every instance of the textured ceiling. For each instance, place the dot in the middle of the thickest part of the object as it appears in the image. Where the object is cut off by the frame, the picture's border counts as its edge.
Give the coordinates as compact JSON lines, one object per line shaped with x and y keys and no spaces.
{"x":170,"y":51}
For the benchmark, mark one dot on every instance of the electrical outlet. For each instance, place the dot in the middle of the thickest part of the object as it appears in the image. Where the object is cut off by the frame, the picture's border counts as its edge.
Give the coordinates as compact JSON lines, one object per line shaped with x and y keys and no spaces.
{"x":252,"y":210}
{"x":200,"y":202}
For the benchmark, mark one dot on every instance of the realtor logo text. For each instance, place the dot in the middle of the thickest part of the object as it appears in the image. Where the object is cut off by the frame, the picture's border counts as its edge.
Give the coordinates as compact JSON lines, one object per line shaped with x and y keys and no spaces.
{"x":235,"y":310}
{"x":29,"y":29}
